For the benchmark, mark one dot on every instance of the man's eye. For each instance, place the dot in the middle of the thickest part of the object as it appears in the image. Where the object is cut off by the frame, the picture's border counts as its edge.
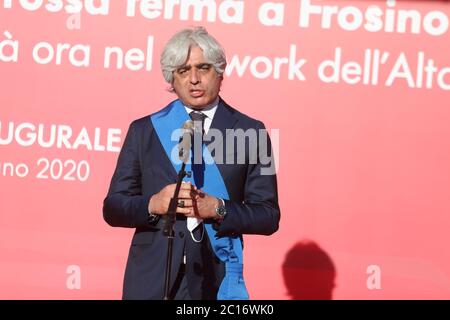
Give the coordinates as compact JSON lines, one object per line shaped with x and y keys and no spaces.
{"x":205,"y":67}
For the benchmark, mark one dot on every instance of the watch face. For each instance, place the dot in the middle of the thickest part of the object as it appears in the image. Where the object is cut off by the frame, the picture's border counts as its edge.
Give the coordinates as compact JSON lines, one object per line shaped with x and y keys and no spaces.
{"x":221,"y":211}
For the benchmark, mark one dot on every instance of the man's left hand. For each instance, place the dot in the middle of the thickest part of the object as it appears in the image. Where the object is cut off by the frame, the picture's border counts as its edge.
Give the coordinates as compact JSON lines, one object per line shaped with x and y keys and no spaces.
{"x":204,"y":206}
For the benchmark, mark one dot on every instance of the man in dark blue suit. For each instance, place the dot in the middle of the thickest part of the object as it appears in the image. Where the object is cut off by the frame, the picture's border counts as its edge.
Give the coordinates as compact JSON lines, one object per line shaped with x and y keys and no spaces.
{"x":232,"y":195}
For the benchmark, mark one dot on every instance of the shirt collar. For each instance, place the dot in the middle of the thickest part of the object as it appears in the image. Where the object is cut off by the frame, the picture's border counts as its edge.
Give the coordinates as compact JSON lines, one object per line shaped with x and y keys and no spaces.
{"x":208,"y":111}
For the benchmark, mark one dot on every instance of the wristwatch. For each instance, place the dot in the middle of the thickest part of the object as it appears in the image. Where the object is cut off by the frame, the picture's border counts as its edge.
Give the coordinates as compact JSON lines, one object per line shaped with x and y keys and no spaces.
{"x":221,"y":210}
{"x":152,"y":217}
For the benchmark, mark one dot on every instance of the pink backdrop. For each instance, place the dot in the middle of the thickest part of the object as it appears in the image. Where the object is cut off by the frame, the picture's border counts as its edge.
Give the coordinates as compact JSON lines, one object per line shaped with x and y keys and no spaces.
{"x":364,"y":174}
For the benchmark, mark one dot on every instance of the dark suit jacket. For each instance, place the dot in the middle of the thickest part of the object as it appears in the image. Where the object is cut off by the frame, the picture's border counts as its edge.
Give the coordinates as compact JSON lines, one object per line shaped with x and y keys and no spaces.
{"x":143,"y":169}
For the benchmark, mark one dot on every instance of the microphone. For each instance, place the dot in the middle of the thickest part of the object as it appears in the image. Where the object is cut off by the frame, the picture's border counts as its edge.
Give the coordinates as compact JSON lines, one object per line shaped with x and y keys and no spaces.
{"x":184,"y":146}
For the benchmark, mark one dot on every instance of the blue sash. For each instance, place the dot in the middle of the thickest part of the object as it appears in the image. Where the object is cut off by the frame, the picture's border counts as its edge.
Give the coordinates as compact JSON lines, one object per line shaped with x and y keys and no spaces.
{"x":167,"y":124}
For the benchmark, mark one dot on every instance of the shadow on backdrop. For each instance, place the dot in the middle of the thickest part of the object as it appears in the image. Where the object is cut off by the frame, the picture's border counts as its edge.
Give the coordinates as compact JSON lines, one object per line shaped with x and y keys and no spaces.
{"x":308,"y":272}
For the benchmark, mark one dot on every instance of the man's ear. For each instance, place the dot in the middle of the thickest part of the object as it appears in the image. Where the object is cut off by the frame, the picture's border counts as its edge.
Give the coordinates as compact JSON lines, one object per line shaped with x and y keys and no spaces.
{"x":171,"y":88}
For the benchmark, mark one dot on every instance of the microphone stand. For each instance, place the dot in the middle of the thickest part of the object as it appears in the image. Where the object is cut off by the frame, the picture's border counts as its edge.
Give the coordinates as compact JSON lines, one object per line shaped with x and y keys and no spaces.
{"x":170,"y":219}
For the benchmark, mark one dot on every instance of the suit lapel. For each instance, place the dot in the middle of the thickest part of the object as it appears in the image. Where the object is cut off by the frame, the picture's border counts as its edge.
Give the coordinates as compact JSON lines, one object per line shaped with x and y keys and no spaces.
{"x":223,"y":119}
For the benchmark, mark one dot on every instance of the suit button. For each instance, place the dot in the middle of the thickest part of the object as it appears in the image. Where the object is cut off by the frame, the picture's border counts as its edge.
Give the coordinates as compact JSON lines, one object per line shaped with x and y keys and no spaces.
{"x":181,"y":234}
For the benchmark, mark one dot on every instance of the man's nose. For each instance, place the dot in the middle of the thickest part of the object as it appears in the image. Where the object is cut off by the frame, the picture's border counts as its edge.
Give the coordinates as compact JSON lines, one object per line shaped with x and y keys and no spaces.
{"x":194,"y":76}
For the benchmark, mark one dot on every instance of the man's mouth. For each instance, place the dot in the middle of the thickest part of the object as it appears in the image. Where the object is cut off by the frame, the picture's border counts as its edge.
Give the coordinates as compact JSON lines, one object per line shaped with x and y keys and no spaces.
{"x":196,"y":93}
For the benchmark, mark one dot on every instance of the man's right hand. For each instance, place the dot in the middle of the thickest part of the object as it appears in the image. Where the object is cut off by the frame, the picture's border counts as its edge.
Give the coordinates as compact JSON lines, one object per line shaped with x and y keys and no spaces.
{"x":159,"y":202}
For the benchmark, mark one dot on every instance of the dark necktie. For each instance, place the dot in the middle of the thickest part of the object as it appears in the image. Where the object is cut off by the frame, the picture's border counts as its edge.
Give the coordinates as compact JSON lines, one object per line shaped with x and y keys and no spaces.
{"x":198,"y":166}
{"x":199,"y":120}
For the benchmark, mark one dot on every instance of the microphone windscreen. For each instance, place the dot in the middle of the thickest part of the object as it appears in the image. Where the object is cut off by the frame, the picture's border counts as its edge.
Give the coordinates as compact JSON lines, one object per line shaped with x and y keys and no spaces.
{"x":188,"y":125}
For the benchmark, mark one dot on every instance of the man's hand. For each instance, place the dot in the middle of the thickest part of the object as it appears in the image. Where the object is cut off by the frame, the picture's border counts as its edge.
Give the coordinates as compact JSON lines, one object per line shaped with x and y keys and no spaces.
{"x":159,"y":203}
{"x":204,"y":206}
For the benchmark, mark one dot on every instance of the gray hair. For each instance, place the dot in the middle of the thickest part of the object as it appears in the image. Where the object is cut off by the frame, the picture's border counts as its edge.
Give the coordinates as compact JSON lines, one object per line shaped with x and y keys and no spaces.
{"x":176,"y":51}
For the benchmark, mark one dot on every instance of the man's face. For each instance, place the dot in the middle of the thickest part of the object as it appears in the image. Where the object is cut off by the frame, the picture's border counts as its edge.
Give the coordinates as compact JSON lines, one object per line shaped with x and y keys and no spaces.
{"x":196,"y":83}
